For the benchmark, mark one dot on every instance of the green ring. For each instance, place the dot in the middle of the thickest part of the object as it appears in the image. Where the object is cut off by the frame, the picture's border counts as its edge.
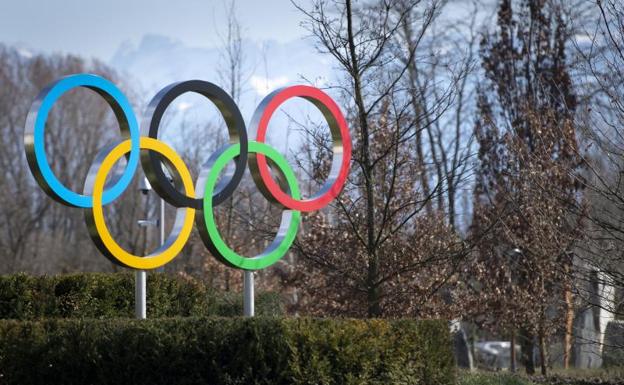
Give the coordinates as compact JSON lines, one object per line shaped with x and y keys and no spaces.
{"x":274,"y":252}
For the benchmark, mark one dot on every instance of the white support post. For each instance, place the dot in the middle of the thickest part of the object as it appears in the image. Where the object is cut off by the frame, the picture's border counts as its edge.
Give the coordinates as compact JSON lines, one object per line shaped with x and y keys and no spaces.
{"x":140,"y":294}
{"x":248,"y":293}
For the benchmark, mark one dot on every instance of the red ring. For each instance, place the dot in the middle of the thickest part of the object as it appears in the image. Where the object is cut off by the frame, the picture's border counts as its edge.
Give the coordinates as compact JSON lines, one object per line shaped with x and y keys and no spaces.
{"x":338,"y":126}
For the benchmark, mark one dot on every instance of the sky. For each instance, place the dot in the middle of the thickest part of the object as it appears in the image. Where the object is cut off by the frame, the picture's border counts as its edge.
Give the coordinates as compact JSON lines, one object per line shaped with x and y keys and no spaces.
{"x":153,"y":43}
{"x":97,"y":28}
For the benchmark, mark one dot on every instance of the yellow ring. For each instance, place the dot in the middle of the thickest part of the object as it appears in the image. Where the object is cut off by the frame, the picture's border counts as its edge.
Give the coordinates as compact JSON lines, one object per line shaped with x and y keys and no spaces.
{"x":159,"y":257}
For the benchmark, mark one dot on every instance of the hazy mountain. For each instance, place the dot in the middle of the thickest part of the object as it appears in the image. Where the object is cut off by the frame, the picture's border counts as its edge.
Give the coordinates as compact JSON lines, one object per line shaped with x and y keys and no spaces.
{"x":158,"y":60}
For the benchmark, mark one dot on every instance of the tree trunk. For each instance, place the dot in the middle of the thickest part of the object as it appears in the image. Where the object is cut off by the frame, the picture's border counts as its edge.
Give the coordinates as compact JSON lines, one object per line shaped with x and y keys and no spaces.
{"x":542,"y":350}
{"x":569,"y":320}
{"x":527,"y":346}
{"x":412,"y":72}
{"x":373,"y":289}
{"x":512,"y":364}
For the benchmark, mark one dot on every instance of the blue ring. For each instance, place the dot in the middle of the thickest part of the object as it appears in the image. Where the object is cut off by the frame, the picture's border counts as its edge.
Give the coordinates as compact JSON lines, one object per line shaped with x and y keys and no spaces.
{"x":50,"y":96}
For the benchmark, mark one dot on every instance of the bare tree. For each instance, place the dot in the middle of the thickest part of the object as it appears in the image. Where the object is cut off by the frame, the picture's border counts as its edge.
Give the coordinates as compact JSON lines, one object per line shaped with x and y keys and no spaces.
{"x":441,"y":86}
{"x":526,"y":184}
{"x":369,"y":254}
{"x":600,"y":70}
{"x":37,"y":234}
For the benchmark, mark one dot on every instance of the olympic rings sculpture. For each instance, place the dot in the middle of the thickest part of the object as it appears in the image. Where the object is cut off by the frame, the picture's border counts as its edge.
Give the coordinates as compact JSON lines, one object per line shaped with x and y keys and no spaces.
{"x":141,"y":145}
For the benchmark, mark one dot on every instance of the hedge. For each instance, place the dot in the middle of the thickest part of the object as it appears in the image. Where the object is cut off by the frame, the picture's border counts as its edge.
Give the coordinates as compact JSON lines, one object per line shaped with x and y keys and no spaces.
{"x":99,"y":295}
{"x":225,"y":351}
{"x":613,"y":351}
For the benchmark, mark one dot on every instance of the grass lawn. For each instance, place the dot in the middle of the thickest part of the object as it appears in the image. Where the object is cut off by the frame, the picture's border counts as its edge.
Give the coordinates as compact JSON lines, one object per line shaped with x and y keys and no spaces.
{"x":610,"y":376}
{"x":491,"y":378}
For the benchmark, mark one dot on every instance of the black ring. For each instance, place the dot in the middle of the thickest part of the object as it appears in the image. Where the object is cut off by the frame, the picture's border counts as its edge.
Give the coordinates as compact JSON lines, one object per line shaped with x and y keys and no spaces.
{"x":151,"y":162}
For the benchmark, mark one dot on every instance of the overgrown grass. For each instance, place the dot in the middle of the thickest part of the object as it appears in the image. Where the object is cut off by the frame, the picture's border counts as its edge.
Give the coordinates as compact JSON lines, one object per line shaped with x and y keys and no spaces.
{"x":613,"y":373}
{"x":487,"y":378}
{"x":603,"y":376}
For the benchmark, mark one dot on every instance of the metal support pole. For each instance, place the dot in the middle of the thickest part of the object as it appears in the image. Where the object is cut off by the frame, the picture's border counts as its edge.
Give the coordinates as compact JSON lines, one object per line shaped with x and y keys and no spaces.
{"x":161,"y":227}
{"x":140,"y":294}
{"x":162,"y":221}
{"x":248,"y":293}
{"x":140,"y":276}
{"x":140,"y":281}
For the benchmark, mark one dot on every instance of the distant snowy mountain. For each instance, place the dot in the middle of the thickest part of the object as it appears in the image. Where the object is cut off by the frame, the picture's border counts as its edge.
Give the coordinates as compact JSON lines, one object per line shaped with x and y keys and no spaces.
{"x":158,"y":60}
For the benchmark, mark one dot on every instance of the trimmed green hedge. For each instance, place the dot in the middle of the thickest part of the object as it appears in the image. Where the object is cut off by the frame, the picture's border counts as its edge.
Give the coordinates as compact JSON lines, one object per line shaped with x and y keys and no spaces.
{"x":225,"y":351}
{"x":99,"y":295}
